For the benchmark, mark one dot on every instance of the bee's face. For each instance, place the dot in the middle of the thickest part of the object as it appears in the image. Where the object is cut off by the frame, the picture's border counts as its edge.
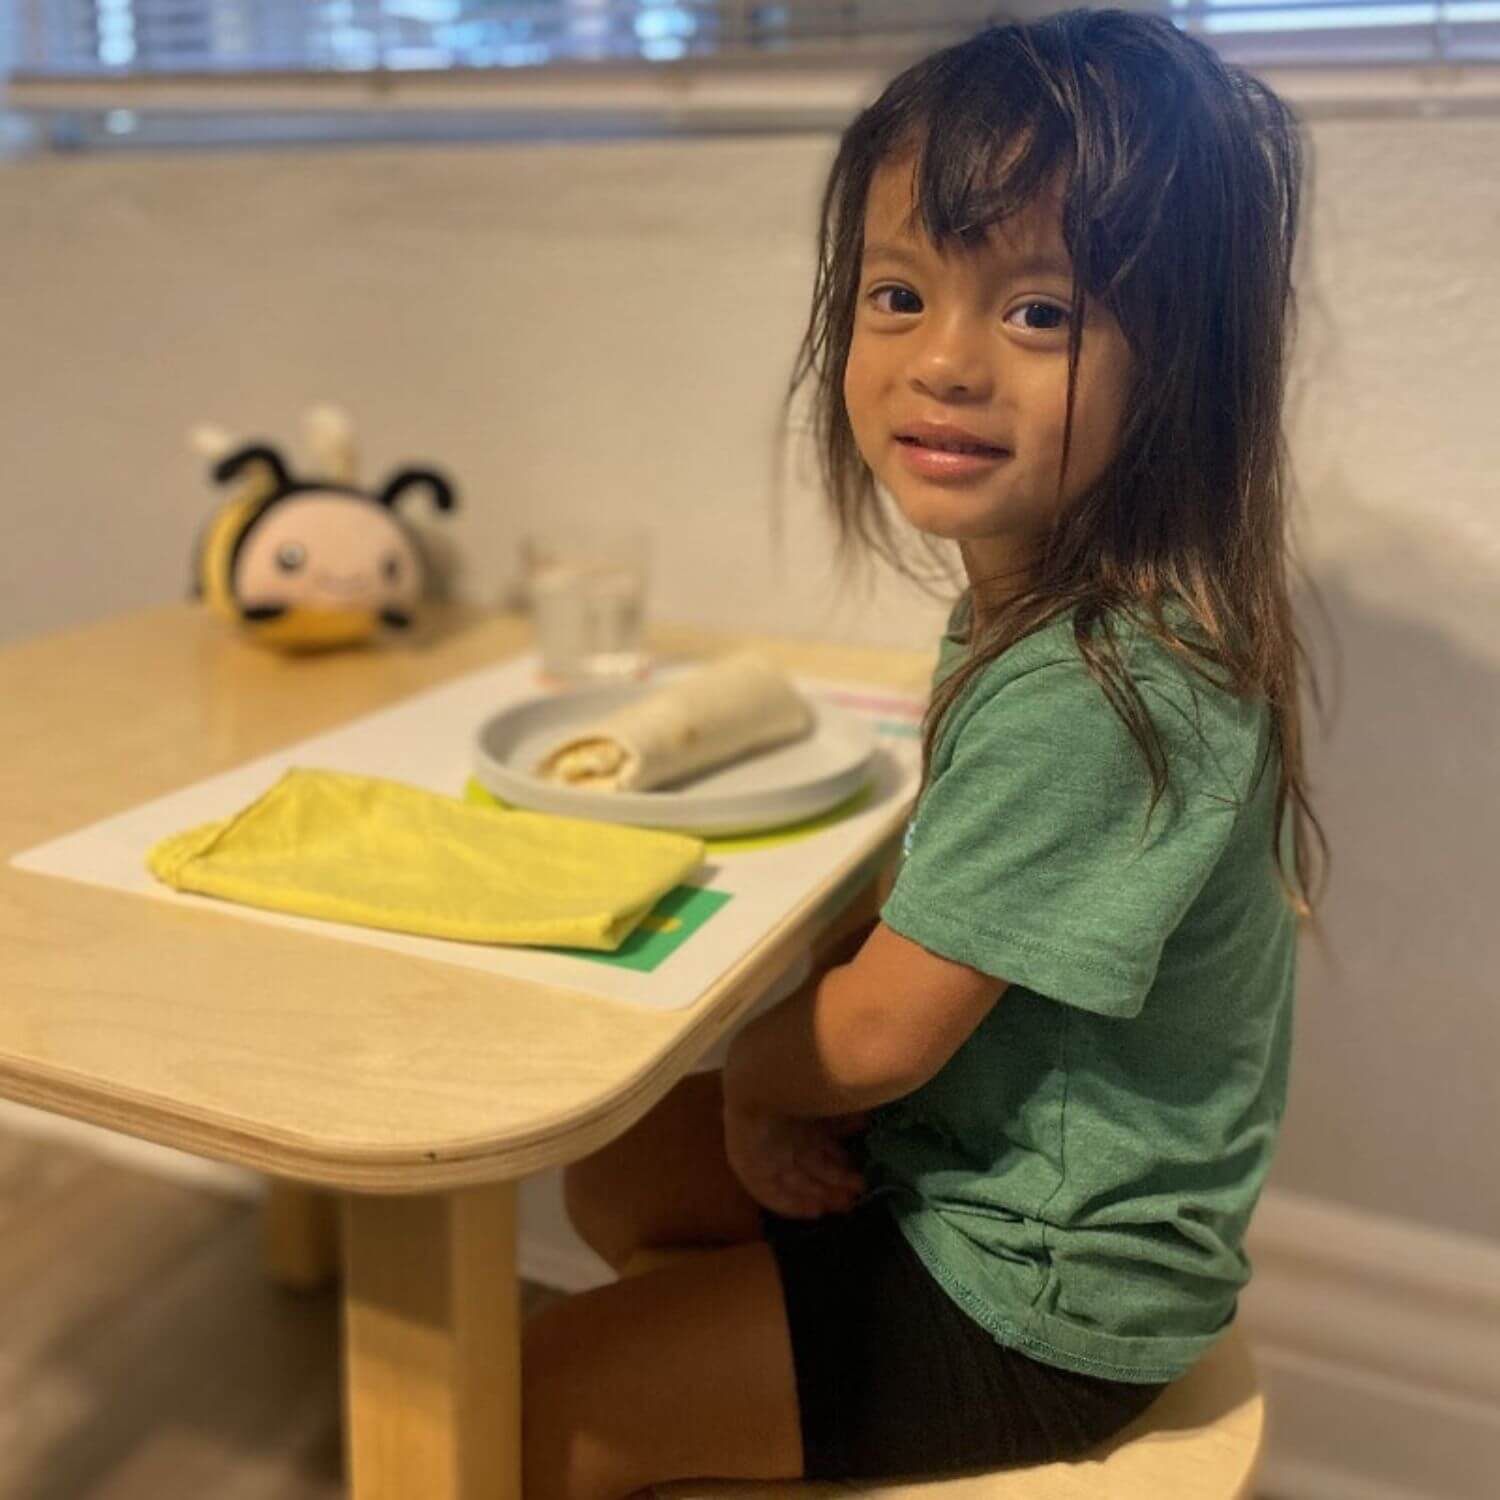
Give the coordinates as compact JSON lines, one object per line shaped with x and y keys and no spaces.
{"x":325,"y":550}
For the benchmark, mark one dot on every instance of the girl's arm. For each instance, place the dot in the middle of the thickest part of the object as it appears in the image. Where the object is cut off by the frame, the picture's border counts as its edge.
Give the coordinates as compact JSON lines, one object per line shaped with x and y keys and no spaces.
{"x":861,"y":1034}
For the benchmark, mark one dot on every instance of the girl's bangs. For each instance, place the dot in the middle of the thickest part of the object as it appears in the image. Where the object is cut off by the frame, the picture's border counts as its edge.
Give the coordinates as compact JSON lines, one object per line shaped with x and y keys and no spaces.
{"x":982,"y":153}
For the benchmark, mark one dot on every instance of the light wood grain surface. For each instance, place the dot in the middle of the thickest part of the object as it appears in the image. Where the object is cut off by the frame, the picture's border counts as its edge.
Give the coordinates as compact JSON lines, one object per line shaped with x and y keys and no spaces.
{"x":322,"y":1061}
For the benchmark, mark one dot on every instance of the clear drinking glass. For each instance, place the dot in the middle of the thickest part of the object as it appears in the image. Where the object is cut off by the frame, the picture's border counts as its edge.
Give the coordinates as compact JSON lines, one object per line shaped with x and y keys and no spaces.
{"x":585,"y":586}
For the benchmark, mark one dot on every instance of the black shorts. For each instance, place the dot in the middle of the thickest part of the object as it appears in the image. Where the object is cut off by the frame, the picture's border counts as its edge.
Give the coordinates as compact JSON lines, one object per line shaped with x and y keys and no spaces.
{"x":895,"y":1379}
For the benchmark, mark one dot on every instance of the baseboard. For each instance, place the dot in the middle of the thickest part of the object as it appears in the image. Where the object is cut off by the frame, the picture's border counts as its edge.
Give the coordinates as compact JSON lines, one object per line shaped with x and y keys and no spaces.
{"x":1293,"y":1479}
{"x":1378,"y":1340}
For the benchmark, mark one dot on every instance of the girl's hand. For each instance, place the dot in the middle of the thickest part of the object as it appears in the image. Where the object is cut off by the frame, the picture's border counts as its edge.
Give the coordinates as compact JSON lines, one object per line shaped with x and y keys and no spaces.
{"x":795,"y":1167}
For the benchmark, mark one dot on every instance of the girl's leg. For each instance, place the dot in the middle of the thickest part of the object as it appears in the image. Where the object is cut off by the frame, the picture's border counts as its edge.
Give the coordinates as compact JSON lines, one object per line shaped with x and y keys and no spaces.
{"x":682,"y":1372}
{"x":665,"y":1182}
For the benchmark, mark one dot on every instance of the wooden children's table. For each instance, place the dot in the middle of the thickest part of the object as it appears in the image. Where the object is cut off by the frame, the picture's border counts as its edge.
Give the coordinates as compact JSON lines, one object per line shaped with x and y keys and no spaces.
{"x":418,"y":1092}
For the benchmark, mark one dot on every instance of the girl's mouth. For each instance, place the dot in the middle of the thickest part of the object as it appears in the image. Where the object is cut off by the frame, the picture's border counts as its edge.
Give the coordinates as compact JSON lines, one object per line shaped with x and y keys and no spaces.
{"x":949,"y":460}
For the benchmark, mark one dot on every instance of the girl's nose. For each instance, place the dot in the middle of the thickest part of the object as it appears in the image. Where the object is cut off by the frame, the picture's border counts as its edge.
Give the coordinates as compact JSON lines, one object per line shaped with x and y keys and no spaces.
{"x":953,"y":362}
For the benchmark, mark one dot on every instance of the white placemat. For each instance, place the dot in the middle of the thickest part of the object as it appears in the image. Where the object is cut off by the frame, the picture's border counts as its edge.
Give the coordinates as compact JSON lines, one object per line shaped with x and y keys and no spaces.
{"x":426,"y":741}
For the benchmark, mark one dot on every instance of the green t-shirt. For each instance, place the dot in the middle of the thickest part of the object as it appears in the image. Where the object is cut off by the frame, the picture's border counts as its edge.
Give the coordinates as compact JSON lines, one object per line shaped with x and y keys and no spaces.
{"x":1079,"y":1175}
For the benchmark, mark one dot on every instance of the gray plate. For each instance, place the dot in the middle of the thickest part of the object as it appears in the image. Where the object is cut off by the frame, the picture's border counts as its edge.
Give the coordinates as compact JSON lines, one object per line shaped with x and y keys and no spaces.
{"x":763,"y":790}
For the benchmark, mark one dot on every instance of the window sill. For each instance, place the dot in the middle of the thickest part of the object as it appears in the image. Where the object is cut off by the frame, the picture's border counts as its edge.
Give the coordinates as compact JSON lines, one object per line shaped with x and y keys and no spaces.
{"x":591,"y":102}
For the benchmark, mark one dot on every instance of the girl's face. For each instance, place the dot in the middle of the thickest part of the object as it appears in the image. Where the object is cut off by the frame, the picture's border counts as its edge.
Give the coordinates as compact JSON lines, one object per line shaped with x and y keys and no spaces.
{"x":957,"y":380}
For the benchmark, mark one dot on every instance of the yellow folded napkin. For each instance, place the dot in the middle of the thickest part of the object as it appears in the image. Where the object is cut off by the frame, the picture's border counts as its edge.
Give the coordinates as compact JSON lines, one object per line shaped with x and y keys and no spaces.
{"x":380,"y":854}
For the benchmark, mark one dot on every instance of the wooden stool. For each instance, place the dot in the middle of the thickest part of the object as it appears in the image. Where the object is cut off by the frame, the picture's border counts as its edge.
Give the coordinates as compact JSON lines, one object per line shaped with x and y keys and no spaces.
{"x":1201,"y":1440}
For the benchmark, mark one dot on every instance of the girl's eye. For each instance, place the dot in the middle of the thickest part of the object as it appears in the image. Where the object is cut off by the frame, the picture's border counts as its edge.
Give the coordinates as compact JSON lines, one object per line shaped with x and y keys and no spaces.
{"x":903,"y":299}
{"x":290,"y":556}
{"x":391,"y":568}
{"x":1038,"y":317}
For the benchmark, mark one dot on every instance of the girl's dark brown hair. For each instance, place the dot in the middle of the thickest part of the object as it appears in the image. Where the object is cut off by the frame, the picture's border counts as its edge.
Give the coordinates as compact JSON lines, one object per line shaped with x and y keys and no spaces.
{"x":1181,"y":178}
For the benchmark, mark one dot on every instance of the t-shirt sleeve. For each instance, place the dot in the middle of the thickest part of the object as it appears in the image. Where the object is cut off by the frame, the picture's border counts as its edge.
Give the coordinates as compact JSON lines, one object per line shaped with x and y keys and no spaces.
{"x":1029,"y":856}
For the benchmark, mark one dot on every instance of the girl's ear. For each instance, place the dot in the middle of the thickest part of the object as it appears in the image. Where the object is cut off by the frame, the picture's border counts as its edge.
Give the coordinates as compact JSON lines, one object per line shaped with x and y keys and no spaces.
{"x":405,"y":479}
{"x":231,"y":465}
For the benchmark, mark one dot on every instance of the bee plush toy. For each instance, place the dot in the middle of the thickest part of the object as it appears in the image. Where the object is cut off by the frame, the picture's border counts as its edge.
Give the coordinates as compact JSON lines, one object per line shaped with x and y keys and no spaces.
{"x":308,"y":563}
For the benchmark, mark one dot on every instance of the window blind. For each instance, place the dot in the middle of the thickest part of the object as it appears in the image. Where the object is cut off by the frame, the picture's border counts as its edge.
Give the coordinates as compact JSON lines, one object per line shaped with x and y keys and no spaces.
{"x":1271,"y":33}
{"x":93,"y":38}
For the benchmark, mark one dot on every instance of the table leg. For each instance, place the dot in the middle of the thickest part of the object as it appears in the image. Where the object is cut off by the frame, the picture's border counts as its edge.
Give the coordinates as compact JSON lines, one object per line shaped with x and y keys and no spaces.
{"x":299,"y":1236}
{"x":432,"y":1346}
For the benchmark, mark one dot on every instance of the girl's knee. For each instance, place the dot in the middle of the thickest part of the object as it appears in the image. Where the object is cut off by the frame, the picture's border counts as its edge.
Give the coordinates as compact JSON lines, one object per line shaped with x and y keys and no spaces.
{"x":596,"y":1213}
{"x":547,"y":1446}
{"x":613,"y":1197}
{"x":664,"y":1182}
{"x":566,"y":1451}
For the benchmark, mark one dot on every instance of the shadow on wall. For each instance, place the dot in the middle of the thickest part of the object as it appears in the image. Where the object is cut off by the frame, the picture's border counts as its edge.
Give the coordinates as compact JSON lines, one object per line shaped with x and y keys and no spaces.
{"x":1397,"y":1026}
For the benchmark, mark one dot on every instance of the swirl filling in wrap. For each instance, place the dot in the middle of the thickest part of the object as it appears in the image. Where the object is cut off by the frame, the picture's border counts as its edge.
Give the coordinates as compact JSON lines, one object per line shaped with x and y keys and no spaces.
{"x":735,"y":705}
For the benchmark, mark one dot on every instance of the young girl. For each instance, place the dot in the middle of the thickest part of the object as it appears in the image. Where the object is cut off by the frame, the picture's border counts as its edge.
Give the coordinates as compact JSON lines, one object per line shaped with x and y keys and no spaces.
{"x":978,"y":1193}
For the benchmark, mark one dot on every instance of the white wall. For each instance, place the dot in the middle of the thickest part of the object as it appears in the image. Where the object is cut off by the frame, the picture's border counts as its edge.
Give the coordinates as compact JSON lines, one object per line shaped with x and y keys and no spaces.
{"x":580,"y":328}
{"x":1397,"y":449}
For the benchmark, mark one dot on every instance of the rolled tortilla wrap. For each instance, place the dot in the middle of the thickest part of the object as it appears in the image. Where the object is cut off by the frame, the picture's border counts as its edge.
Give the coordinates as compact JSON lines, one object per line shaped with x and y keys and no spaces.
{"x":735,"y":705}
